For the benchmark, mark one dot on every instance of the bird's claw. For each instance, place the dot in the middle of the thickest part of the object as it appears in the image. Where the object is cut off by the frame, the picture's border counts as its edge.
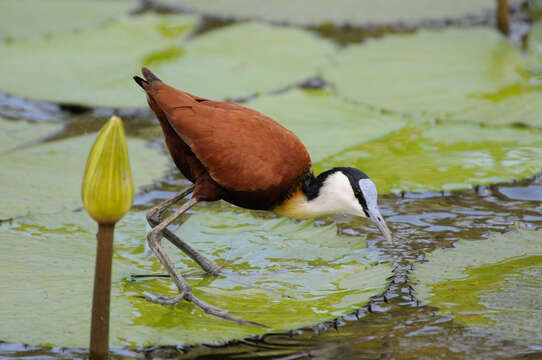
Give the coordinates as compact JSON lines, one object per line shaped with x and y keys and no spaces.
{"x":153,"y":216}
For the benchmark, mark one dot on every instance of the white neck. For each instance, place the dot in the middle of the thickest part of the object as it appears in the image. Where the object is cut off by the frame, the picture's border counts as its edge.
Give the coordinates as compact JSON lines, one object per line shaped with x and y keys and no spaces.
{"x":334,"y":196}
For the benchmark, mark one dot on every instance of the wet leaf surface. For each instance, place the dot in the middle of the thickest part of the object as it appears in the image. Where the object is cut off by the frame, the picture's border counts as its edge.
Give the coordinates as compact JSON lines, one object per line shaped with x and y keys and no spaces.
{"x":37,"y":19}
{"x":396,"y":326}
{"x":108,"y":56}
{"x":535,"y":40}
{"x":470,"y":74}
{"x":16,"y":134}
{"x":45,"y":178}
{"x":307,"y":12}
{"x":467,"y":75}
{"x":399,"y":153}
{"x":445,"y":156}
{"x":534,"y":45}
{"x":491,"y":283}
{"x":52,"y":255}
{"x":246,"y":58}
{"x":318,"y":116}
{"x":94,"y":66}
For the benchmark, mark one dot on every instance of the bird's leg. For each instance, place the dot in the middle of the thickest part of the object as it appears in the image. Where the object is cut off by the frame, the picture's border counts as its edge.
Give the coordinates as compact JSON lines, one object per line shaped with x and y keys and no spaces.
{"x":153,"y":218}
{"x":185,"y":291}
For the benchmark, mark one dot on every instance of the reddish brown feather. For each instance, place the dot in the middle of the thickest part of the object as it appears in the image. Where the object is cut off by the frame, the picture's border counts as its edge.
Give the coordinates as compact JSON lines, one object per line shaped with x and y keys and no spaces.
{"x":229,"y":151}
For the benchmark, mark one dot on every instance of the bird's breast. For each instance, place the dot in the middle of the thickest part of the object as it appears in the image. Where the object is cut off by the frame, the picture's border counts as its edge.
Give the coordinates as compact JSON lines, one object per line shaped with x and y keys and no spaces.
{"x":295,"y":206}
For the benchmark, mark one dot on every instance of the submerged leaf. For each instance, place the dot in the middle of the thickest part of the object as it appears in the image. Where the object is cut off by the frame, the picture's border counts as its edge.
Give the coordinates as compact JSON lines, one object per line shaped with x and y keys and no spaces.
{"x":445,"y":156}
{"x":34,"y":18}
{"x":45,"y":178}
{"x":493,"y":284}
{"x":325,"y":123}
{"x":50,"y":269}
{"x":471,"y":74}
{"x":339,"y":12}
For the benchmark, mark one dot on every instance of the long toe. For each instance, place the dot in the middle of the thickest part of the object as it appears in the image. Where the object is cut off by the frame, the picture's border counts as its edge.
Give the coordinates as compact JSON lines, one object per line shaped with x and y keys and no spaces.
{"x":161,"y":299}
{"x":216,"y":311}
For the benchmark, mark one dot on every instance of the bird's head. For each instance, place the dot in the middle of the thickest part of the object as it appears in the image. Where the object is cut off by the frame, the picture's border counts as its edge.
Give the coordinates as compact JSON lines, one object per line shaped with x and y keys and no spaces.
{"x":340,"y":190}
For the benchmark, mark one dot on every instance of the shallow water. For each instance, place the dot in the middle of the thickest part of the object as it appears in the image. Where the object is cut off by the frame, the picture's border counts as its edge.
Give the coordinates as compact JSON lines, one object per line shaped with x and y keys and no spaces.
{"x":394,"y":325}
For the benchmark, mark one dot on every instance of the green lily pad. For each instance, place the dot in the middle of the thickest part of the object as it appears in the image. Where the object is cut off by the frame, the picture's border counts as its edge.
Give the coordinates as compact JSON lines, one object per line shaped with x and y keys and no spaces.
{"x":311,"y":12}
{"x":15,"y":133}
{"x":491,"y":284}
{"x":95,"y":67}
{"x":519,"y":104}
{"x":535,"y":39}
{"x":326,"y":123}
{"x":49,"y":259}
{"x":534,"y":45}
{"x":454,"y":74}
{"x":246,"y":58}
{"x":535,"y":9}
{"x":445,"y":156}
{"x":92,"y":67}
{"x":47,"y":177}
{"x":36,"y":18}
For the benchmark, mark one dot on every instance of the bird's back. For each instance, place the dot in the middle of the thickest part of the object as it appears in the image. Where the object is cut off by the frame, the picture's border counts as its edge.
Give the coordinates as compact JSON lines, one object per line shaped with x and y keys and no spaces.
{"x":252,"y":157}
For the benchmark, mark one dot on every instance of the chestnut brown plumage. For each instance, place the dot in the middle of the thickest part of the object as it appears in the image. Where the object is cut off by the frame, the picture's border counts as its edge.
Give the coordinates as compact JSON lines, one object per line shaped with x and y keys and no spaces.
{"x":233,"y":153}
{"x":219,"y":145}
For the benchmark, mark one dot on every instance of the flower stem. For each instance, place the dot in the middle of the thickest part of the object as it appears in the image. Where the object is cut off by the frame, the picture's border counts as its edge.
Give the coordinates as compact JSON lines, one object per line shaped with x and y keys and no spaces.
{"x":99,"y":330}
{"x":502,"y":16}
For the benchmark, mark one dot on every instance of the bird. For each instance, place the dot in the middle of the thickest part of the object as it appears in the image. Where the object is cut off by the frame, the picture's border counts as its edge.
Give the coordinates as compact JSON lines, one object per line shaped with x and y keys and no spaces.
{"x":233,"y":153}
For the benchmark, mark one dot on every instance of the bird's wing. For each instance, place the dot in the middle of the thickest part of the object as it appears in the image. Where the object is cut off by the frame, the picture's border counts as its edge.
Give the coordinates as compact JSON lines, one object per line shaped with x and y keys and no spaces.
{"x":242,"y":149}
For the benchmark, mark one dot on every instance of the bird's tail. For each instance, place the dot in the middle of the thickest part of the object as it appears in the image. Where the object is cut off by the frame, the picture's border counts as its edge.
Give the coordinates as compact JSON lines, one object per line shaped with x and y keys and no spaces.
{"x":149,"y":78}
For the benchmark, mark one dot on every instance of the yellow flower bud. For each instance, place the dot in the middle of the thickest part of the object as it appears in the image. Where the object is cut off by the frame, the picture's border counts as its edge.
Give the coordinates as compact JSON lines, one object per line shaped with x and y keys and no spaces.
{"x":108,"y":189}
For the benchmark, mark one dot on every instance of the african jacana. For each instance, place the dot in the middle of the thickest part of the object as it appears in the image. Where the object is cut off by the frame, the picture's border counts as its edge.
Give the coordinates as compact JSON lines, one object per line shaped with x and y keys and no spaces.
{"x":239,"y":155}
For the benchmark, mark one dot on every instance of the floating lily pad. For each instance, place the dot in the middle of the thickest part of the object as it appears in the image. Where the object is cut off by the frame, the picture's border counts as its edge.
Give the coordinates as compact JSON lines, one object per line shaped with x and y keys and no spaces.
{"x":535,"y":39}
{"x":49,"y":260}
{"x":535,"y":9}
{"x":36,"y":18}
{"x":455,"y":74}
{"x":47,"y":177}
{"x":445,"y":156}
{"x":246,"y":58}
{"x":492,"y":284}
{"x":14,"y":134}
{"x":325,"y":123}
{"x":311,"y":12}
{"x":535,"y":49}
{"x":94,"y":66}
{"x":517,"y":104}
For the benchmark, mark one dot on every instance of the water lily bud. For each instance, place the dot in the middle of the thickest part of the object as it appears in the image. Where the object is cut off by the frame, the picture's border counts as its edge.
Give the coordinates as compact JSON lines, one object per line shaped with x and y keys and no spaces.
{"x":108,"y":189}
